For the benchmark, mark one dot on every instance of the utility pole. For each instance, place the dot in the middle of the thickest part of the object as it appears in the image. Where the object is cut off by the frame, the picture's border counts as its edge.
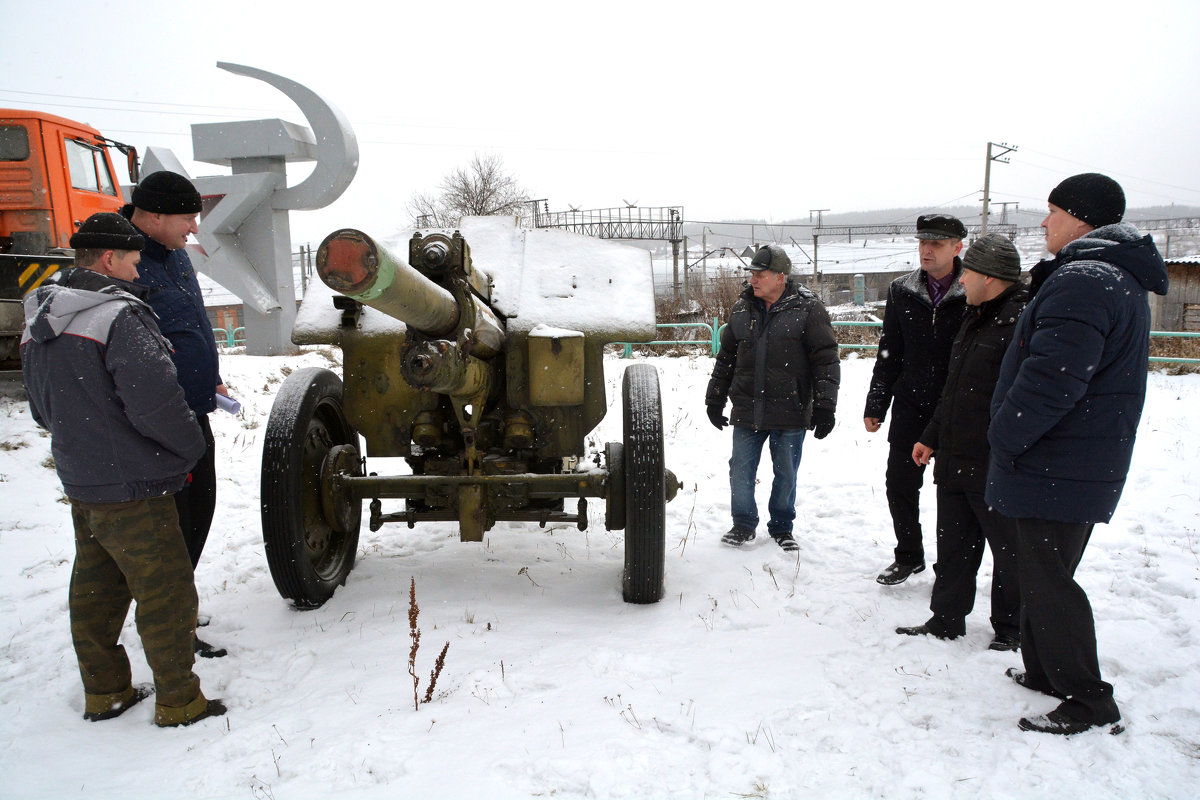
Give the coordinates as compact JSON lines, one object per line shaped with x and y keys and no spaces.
{"x":987,"y":177}
{"x":818,"y":212}
{"x":675,"y":269}
{"x":1004,"y":211}
{"x":685,"y":269}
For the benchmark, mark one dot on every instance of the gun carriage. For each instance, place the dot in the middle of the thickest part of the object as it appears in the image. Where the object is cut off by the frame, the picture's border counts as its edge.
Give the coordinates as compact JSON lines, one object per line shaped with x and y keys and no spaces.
{"x":478,"y":358}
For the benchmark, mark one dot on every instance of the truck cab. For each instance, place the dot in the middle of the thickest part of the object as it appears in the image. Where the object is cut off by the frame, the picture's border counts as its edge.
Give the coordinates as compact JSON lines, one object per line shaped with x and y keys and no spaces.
{"x":54,"y":174}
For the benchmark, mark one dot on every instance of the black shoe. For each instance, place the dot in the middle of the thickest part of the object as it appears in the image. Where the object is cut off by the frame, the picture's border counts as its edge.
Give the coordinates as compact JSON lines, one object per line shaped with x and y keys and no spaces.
{"x":924,"y":630}
{"x":1020,"y":679}
{"x":898,"y":573}
{"x":140,"y":693}
{"x":786,"y":542}
{"x":1064,"y":725}
{"x":737,"y":536}
{"x":206,"y":650}
{"x":1005,"y":641}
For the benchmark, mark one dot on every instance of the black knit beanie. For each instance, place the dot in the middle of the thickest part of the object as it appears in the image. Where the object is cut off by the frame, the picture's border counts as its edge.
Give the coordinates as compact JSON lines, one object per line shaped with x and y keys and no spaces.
{"x":1092,"y":198}
{"x":993,"y":254}
{"x":107,"y":231}
{"x":166,"y":193}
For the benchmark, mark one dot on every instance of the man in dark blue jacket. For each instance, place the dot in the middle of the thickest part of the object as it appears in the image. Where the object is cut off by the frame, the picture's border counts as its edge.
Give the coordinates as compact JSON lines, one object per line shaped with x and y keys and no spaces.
{"x":164,"y":209}
{"x":1064,"y":416}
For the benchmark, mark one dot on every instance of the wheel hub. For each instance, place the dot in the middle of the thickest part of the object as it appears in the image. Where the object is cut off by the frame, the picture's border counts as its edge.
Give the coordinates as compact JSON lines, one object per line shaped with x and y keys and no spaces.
{"x":337,"y":506}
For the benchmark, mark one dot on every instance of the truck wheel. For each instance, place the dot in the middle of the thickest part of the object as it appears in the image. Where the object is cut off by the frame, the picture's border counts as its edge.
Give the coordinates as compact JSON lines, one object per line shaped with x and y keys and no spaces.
{"x":645,"y":486}
{"x":310,"y":531}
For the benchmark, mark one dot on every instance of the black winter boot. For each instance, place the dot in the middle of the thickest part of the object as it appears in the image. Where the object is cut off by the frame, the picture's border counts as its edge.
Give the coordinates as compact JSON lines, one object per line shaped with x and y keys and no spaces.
{"x":738,"y":536}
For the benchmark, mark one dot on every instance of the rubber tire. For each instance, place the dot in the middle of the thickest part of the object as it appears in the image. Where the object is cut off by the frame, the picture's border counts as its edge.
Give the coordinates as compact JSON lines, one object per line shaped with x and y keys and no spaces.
{"x":645,"y":486}
{"x":308,"y":558}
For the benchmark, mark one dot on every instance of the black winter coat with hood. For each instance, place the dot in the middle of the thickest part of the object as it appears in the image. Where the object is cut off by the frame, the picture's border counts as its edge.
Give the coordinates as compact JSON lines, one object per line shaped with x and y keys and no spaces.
{"x":99,"y":377}
{"x":776,"y":364}
{"x":1073,"y":382}
{"x":914,"y":353}
{"x":958,"y":430}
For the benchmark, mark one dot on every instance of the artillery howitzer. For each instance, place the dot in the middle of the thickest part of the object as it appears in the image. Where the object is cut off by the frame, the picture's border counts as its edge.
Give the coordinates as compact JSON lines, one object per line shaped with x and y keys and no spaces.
{"x":486,"y":383}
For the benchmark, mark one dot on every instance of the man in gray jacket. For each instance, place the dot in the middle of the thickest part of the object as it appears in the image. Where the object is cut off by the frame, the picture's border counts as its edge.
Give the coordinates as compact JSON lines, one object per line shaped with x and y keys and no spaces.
{"x":99,"y":377}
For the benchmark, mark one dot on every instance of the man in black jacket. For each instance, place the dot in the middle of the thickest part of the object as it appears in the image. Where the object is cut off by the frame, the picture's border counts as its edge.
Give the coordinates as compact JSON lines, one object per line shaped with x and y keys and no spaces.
{"x":956,"y":438}
{"x":1064,"y":418}
{"x":923,"y":312}
{"x":778,"y":362}
{"x":99,"y":377}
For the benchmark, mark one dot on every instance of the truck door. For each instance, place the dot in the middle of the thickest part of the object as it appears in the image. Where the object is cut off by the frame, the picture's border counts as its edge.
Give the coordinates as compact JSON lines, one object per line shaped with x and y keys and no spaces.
{"x":89,"y":178}
{"x":26,"y":215}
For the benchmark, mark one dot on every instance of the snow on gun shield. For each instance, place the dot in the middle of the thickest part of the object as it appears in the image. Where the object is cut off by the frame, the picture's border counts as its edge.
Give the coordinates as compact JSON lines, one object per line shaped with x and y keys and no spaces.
{"x":487,"y":384}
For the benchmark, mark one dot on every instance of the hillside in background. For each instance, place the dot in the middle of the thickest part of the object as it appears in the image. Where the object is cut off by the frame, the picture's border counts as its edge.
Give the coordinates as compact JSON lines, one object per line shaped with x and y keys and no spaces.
{"x":970,"y":214}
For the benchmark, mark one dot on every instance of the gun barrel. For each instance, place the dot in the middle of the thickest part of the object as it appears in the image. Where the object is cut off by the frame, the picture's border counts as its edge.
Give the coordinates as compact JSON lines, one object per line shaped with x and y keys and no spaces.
{"x":352,"y":263}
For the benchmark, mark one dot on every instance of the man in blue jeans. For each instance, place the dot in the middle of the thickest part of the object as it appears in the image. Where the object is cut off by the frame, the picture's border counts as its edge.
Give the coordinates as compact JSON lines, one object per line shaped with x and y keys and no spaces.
{"x":778,"y":363}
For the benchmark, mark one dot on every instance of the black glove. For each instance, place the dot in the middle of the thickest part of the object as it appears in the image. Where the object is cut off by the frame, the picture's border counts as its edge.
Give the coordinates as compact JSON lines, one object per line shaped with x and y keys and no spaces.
{"x":715,"y":416}
{"x":822,"y":422}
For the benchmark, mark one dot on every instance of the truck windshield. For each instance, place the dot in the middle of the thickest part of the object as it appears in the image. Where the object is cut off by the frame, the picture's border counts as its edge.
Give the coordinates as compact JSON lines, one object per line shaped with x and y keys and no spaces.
{"x":89,"y":169}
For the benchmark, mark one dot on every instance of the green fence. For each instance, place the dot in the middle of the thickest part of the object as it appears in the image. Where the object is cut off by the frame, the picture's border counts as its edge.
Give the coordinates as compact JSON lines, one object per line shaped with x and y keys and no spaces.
{"x":713,"y":339}
{"x":1174,"y":335}
{"x":230,"y":337}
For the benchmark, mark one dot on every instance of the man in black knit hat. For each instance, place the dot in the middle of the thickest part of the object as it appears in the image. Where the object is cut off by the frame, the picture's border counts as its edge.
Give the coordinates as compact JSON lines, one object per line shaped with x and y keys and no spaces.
{"x":164,"y":209}
{"x":99,"y":377}
{"x":1064,"y":416}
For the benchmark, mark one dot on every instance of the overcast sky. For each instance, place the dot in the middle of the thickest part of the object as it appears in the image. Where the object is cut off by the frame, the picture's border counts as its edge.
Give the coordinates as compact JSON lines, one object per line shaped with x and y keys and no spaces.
{"x":732,"y":110}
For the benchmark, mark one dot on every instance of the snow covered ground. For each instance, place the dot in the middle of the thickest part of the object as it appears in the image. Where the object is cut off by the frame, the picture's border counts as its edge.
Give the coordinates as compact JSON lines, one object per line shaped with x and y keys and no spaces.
{"x":758,"y":675}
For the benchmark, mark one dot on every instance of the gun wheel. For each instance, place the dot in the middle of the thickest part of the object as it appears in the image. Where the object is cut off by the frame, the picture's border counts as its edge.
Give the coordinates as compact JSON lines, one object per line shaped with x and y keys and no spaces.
{"x":645,"y":486}
{"x":310,"y":527}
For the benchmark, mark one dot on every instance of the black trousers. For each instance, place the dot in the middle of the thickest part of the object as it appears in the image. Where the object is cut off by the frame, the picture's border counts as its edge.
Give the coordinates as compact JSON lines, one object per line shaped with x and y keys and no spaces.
{"x":903,"y":481}
{"x":964,"y":523}
{"x":197,"y":500}
{"x":1058,"y":632}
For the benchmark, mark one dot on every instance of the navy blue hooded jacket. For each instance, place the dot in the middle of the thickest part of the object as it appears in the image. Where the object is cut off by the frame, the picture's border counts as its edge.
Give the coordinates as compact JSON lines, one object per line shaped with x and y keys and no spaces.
{"x":1073,"y":381}
{"x":174,"y":294}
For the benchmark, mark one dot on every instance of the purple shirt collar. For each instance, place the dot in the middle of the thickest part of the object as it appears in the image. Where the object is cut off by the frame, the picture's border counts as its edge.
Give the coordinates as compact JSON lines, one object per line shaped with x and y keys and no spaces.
{"x":938,"y":289}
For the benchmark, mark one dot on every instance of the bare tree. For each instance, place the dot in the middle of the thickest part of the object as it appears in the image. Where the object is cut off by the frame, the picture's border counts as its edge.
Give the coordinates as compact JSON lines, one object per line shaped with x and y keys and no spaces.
{"x":480,"y":189}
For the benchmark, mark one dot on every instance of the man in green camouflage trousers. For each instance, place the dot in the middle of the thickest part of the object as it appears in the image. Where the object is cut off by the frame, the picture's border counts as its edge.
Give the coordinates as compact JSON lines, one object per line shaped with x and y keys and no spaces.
{"x":122,"y":551}
{"x":99,"y":377}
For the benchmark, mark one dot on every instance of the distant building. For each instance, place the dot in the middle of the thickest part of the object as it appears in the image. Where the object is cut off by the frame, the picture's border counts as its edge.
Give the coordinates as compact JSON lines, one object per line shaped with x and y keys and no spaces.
{"x":1180,"y":309}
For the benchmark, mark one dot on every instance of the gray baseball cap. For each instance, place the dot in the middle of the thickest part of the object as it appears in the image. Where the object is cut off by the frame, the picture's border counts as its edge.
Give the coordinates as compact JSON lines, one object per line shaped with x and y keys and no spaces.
{"x":771,"y":257}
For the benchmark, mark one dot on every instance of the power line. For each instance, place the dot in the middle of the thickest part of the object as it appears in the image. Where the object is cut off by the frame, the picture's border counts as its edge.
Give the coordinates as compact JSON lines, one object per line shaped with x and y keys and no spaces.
{"x":123,"y":100}
{"x":1120,"y":174}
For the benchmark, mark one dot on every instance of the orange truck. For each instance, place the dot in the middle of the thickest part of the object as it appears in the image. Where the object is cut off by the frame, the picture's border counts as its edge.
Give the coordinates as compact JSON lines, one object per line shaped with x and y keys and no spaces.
{"x":54,"y":174}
